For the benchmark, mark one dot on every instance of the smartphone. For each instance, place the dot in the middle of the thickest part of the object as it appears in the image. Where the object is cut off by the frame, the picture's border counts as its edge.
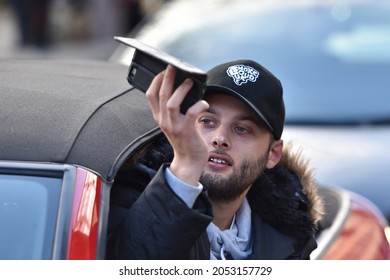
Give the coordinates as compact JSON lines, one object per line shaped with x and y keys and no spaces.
{"x":148,"y":61}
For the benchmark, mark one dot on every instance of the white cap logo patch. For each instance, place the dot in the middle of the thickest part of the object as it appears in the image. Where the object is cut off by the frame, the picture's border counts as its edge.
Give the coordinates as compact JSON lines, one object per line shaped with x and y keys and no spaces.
{"x":241,"y":74}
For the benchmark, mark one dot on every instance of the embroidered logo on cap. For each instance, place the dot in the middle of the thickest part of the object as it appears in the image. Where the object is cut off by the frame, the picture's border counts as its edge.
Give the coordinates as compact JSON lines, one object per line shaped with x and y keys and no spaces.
{"x":241,"y":74}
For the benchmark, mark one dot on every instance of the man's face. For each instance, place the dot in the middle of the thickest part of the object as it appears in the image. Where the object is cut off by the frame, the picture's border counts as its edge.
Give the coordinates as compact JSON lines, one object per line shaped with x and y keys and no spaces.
{"x":238,"y":147}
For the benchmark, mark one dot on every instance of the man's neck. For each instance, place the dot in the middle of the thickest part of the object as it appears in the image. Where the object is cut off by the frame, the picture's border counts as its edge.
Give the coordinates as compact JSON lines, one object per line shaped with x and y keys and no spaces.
{"x":225,"y":211}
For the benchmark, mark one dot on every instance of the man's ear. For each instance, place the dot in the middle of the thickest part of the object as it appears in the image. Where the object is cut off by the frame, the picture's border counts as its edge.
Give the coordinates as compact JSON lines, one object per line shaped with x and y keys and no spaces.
{"x":275,"y":153}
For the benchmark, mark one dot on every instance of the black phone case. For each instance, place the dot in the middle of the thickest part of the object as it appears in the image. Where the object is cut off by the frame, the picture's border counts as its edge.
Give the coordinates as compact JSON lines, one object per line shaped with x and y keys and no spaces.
{"x":147,"y":62}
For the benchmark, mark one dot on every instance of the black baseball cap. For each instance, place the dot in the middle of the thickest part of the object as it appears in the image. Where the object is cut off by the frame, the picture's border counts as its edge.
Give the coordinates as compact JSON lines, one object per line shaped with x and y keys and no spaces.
{"x":253,"y":84}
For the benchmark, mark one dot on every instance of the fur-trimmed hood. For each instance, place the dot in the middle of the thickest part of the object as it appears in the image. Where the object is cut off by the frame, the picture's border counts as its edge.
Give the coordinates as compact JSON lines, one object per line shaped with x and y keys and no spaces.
{"x":287,"y":198}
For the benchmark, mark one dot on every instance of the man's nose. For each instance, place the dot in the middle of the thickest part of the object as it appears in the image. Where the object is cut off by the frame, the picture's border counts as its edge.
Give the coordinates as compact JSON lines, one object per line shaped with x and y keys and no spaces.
{"x":221,"y":138}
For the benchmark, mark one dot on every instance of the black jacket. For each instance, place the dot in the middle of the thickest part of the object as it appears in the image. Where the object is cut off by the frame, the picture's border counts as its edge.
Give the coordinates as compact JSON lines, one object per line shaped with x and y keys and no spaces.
{"x":148,"y":221}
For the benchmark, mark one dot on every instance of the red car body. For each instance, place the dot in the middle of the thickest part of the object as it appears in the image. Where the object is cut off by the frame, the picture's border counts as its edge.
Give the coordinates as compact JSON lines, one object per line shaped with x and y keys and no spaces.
{"x":364,"y":225}
{"x":84,"y":229}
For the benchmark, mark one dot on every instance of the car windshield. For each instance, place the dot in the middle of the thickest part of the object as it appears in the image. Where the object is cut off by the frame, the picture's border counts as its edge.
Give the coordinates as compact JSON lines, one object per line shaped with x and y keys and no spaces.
{"x":28,"y":212}
{"x":334,"y":62}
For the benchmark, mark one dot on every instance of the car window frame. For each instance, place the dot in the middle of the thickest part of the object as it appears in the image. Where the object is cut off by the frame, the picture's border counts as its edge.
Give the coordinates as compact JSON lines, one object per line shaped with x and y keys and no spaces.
{"x":67,"y":175}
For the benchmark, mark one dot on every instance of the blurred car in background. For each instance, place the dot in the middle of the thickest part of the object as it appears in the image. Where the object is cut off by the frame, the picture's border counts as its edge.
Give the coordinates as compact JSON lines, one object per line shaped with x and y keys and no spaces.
{"x":333,"y":58}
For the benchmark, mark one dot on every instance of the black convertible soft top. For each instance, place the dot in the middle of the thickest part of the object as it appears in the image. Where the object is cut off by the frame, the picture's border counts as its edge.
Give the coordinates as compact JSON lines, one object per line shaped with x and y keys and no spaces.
{"x":83,"y":113}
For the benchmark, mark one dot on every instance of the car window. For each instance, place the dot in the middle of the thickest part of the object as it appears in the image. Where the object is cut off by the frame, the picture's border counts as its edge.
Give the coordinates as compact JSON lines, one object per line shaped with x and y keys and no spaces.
{"x":28,"y":211}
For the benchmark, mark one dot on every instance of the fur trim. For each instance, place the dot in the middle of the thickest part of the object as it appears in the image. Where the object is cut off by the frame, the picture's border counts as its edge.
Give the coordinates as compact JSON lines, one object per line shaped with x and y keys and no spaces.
{"x":286,"y":197}
{"x":294,"y":161}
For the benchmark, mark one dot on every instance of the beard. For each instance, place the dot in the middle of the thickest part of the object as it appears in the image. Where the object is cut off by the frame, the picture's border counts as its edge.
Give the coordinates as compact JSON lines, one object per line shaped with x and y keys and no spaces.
{"x":229,"y":189}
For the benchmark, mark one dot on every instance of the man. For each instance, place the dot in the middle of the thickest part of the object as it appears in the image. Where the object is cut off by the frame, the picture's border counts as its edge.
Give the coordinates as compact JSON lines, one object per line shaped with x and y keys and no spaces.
{"x":229,"y":191}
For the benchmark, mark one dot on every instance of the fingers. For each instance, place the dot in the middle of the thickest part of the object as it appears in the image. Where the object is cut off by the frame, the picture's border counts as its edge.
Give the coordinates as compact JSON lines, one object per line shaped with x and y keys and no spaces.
{"x":152,"y":94}
{"x":167,"y":85}
{"x":160,"y":91}
{"x":178,"y":96}
{"x":166,"y":93}
{"x":163,"y":99}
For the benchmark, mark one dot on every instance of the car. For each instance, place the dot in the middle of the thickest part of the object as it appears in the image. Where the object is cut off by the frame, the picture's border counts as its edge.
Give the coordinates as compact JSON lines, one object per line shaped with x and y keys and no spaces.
{"x":353,"y":228}
{"x":332,"y":57}
{"x":68,"y":127}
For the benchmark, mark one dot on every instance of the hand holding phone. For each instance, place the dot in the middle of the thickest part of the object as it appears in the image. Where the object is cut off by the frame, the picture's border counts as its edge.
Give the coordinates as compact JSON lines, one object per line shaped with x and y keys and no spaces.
{"x":147,"y":62}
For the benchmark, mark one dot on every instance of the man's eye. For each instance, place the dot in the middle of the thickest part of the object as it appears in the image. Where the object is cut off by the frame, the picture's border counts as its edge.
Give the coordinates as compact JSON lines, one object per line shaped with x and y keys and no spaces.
{"x":206,"y":121}
{"x":241,"y":129}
